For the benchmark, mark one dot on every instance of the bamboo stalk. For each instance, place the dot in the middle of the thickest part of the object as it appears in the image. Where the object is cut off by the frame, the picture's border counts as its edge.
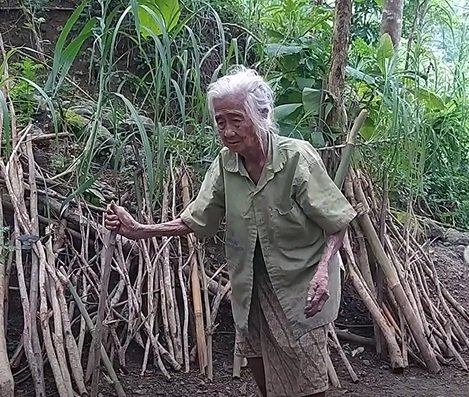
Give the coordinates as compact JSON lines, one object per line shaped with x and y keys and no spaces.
{"x":399,"y":293}
{"x":388,"y":332}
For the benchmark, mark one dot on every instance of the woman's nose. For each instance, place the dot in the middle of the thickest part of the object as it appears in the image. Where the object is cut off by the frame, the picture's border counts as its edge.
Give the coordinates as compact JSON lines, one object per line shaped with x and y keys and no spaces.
{"x":229,"y":132}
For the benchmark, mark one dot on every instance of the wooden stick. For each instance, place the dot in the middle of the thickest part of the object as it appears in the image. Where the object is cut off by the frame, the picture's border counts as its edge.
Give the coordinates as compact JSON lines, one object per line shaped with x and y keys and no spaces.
{"x":398,"y":292}
{"x":208,"y":316}
{"x":196,"y":294}
{"x":331,"y":372}
{"x":388,"y":332}
{"x":167,"y":280}
{"x":89,"y":322}
{"x":347,"y":152}
{"x":348,"y":336}
{"x":338,"y":347}
{"x":108,"y":252}
{"x":7,"y":384}
{"x":237,"y":358}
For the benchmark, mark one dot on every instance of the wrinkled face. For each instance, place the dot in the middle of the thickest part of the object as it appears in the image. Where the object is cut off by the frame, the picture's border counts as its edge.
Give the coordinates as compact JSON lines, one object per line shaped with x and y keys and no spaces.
{"x":236,"y":129}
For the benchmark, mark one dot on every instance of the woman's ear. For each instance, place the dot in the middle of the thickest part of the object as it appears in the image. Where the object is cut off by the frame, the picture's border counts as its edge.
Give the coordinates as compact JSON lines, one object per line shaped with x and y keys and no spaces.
{"x":265,"y":113}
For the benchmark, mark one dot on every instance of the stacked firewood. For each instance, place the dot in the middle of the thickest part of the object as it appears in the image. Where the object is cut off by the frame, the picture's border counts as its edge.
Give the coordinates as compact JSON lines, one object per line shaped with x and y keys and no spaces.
{"x":86,"y":294}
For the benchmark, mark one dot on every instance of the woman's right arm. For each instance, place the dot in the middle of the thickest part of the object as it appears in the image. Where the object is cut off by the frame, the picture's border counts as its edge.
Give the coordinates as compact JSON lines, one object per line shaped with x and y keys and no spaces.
{"x":202,"y":216}
{"x":175,"y":227}
{"x":118,"y":219}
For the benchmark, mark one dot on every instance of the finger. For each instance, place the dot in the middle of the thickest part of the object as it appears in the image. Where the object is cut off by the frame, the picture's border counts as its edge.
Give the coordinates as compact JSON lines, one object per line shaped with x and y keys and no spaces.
{"x":112,"y":218}
{"x":112,"y":224}
{"x":316,"y":304}
{"x":114,"y":206}
{"x":322,"y":302}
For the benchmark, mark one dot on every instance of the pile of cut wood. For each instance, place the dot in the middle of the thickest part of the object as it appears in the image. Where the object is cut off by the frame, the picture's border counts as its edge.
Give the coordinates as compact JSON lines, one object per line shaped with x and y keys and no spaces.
{"x":87,"y":295}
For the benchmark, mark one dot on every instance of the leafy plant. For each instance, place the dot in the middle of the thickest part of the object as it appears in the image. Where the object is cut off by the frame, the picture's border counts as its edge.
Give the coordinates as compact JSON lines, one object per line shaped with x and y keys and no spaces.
{"x":22,"y":92}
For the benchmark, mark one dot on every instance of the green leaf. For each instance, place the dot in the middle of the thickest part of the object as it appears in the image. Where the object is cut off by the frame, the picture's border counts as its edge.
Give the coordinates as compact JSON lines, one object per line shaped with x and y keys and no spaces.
{"x":385,"y":51}
{"x":380,"y":3}
{"x":359,"y":75}
{"x":275,"y":35}
{"x":81,"y":189}
{"x":317,"y":139}
{"x":304,"y":82}
{"x":149,"y":11}
{"x":59,"y":47}
{"x":312,"y":100}
{"x":283,"y":112}
{"x":6,"y":124}
{"x":431,"y":100}
{"x":368,"y":130}
{"x":276,"y":50}
{"x":293,"y":131}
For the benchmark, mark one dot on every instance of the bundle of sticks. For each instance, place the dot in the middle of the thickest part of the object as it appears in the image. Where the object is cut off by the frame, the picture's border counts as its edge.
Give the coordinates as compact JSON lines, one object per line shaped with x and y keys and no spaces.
{"x":89,"y":286}
{"x":414,"y":314}
{"x":87,"y":295}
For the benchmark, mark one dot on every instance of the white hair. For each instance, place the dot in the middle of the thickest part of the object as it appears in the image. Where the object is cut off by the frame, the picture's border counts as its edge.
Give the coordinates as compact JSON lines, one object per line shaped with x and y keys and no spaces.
{"x":258,"y":97}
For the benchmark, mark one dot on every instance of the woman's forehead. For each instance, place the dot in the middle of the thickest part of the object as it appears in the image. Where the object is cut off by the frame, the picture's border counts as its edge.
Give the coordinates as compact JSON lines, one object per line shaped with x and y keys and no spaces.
{"x":229,"y":103}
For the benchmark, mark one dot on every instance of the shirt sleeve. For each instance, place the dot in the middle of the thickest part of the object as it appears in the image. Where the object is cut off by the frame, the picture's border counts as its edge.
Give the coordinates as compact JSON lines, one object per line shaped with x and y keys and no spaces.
{"x":204,"y":215}
{"x":319,"y":197}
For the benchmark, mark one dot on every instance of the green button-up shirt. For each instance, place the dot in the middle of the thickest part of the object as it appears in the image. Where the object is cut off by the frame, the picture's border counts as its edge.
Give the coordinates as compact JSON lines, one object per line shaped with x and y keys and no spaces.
{"x":292,"y":209}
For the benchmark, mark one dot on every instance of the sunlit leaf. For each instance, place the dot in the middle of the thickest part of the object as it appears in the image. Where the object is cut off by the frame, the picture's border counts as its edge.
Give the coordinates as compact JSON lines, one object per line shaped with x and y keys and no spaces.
{"x":385,"y":51}
{"x":368,"y":130}
{"x":167,"y":10}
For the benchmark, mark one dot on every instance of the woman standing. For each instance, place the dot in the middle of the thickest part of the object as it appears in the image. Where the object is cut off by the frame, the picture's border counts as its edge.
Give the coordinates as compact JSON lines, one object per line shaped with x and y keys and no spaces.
{"x":285,"y":222}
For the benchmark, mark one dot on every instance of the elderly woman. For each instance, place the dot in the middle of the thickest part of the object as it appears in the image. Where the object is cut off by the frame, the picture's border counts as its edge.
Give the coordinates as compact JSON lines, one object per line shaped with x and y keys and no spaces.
{"x":285,"y":221}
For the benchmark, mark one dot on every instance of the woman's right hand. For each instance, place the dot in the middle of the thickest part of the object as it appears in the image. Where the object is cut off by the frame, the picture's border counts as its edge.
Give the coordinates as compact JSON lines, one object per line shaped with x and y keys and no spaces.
{"x":117,"y":218}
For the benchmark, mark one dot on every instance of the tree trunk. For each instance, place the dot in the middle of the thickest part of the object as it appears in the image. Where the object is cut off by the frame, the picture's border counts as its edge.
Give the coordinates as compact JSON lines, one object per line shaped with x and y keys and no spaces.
{"x":340,"y":45}
{"x":391,"y":21}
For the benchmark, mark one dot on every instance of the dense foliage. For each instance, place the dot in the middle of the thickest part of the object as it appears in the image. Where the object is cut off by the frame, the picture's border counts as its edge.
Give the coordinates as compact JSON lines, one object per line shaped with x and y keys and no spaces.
{"x":150,"y":62}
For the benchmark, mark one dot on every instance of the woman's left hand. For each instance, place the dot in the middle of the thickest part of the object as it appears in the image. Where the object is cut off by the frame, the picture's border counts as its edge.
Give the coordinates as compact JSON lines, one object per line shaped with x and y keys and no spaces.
{"x":318,"y":292}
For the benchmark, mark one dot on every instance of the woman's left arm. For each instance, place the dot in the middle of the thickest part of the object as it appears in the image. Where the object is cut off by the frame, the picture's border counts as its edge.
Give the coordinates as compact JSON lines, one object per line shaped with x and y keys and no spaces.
{"x":323,"y":203}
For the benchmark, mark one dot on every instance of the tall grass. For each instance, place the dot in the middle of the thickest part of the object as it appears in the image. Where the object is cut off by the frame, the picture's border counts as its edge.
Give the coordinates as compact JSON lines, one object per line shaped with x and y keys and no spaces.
{"x":173,"y":61}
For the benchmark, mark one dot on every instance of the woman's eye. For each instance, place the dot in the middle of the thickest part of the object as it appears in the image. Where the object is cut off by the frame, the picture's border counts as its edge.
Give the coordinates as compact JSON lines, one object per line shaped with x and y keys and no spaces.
{"x":221,"y":124}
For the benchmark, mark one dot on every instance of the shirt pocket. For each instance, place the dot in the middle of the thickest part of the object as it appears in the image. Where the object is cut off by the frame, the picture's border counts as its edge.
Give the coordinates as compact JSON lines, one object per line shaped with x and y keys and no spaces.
{"x":289,"y":224}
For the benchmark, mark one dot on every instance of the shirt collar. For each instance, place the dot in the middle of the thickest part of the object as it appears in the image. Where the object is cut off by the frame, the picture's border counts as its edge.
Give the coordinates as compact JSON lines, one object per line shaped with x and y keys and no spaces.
{"x":275,"y":159}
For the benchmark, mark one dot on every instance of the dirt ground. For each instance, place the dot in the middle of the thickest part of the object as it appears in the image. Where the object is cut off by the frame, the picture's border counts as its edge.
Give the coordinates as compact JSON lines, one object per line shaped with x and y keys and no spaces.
{"x":375,"y":376}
